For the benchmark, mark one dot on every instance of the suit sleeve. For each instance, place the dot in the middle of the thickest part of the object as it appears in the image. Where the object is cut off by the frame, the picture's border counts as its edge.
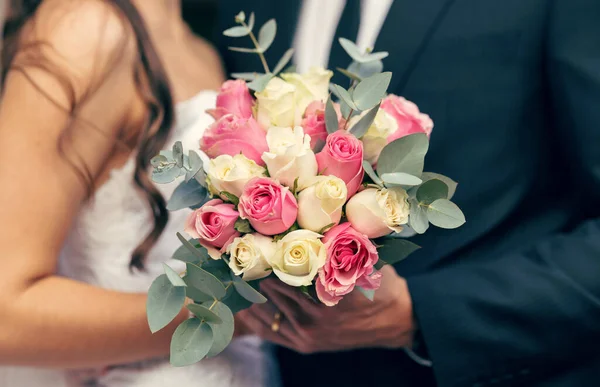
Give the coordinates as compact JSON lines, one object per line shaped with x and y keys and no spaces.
{"x":529,"y":312}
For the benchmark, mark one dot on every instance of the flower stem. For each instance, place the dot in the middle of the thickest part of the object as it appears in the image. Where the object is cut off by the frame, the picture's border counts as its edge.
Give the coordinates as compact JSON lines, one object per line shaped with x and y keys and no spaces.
{"x":259,"y":52}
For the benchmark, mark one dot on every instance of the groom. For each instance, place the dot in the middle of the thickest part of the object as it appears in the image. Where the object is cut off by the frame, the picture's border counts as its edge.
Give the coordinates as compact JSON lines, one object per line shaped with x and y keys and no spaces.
{"x":512,"y":298}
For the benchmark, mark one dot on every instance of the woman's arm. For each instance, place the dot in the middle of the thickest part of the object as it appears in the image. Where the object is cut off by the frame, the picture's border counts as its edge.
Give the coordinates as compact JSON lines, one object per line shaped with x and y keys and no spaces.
{"x":46,"y":320}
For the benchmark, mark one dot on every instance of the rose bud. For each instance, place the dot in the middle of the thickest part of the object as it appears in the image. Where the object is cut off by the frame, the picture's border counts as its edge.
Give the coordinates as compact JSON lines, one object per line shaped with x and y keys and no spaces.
{"x":378,"y":212}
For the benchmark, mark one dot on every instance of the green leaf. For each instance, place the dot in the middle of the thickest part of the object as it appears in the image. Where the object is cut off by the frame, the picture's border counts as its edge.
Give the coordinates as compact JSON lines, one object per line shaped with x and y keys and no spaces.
{"x":188,"y":194}
{"x":331,"y":118}
{"x":362,"y":126}
{"x":235,"y":301}
{"x":406,"y":154}
{"x":178,"y":153}
{"x":166,"y":174}
{"x":418,"y":217}
{"x":369,"y":170}
{"x":184,"y":254}
{"x":240,"y":17}
{"x":369,"y":293}
{"x":349,"y":74}
{"x":158,"y":161}
{"x":247,"y":291}
{"x":230,"y":197}
{"x":351,"y":49}
{"x":400,"y":178}
{"x":246,"y":76}
{"x":371,"y":90}
{"x":431,"y":191}
{"x":365,"y":70}
{"x":196,"y":165}
{"x":375,"y":56}
{"x":236,"y":32}
{"x":203,"y":312}
{"x":243,"y":226}
{"x":285,"y":59}
{"x":448,"y":181}
{"x":204,"y":281}
{"x":164,"y":303}
{"x":190,"y":343}
{"x":173,"y":276}
{"x":244,"y":50}
{"x":394,"y":250}
{"x":199,"y":253}
{"x":344,"y":95}
{"x":220,"y":269}
{"x":251,"y":21}
{"x":223,"y":332}
{"x":266,"y":35}
{"x":260,"y":82}
{"x":445,"y":214}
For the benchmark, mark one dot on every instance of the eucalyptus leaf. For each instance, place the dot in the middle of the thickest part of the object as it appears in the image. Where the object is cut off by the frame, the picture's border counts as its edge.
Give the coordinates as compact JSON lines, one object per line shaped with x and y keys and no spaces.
{"x":418,"y":217}
{"x":243,"y":226}
{"x":400,"y":178}
{"x":196,"y":165}
{"x":178,"y":154}
{"x":445,"y":214}
{"x":351,"y":49}
{"x":431,"y":191}
{"x":331,"y":118}
{"x":371,"y":90}
{"x":190,"y":343}
{"x":219,"y":269}
{"x":364,"y":123}
{"x":266,"y":35}
{"x":158,"y":160}
{"x":245,"y":50}
{"x":285,"y":59}
{"x":448,"y":181}
{"x":188,"y":194}
{"x":251,"y":21}
{"x":184,"y":254}
{"x":369,"y":293}
{"x":203,"y":312}
{"x":260,"y":82}
{"x":349,"y":74}
{"x":394,"y":250}
{"x":235,"y":301}
{"x":406,"y":154}
{"x":369,"y":170}
{"x":223,"y":332}
{"x":199,"y":253}
{"x":240,"y":17}
{"x":246,"y":76}
{"x":204,"y":281}
{"x":164,"y":302}
{"x":166,"y":174}
{"x":236,"y":32}
{"x":247,"y":291}
{"x":365,"y":70}
{"x":173,"y":276}
{"x":196,"y":295}
{"x":375,"y":56}
{"x":345,"y":96}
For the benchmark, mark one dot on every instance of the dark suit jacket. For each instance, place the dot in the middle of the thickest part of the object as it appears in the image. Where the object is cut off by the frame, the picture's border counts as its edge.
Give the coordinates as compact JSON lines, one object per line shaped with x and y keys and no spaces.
{"x":513,"y":297}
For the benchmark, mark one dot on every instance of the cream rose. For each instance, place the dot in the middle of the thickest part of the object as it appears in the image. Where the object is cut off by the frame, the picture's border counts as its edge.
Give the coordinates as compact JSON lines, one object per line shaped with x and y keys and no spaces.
{"x":231,"y":173}
{"x":320,"y":204}
{"x":290,"y":156}
{"x":249,"y":255}
{"x":378,"y":212}
{"x":376,"y":138}
{"x":276,"y":105}
{"x":299,"y":255}
{"x":311,"y":86}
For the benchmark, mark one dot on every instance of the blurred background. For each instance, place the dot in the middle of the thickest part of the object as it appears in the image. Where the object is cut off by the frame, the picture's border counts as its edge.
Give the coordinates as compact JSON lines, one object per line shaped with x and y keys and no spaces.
{"x":201,"y":15}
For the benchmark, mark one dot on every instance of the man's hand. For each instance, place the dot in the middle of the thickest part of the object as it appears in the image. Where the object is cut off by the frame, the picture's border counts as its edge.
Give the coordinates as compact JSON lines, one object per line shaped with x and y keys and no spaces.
{"x":356,"y":322}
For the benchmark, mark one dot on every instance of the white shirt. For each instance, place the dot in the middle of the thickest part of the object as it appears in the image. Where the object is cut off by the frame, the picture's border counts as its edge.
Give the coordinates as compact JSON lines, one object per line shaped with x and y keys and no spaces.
{"x":318,"y":23}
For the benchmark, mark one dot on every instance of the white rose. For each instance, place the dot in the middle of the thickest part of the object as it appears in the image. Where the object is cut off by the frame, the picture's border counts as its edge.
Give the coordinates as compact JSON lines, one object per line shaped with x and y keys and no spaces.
{"x":311,"y":86}
{"x":376,"y":137}
{"x":276,"y":105}
{"x":230,"y":174}
{"x":249,"y":255}
{"x":290,"y":156}
{"x":320,"y":204}
{"x":299,"y":255}
{"x":378,"y":212}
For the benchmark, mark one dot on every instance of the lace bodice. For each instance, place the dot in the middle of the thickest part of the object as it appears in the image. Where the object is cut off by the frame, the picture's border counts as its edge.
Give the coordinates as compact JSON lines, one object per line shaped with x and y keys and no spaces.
{"x":98,"y":250}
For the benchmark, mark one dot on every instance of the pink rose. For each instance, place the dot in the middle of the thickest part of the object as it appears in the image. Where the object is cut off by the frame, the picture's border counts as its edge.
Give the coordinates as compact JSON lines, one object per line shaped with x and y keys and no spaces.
{"x":350,"y":259}
{"x":270,"y":207}
{"x":314,"y":122}
{"x":231,"y":135}
{"x":410,"y":120}
{"x":213,"y":225}
{"x":342,"y":156}
{"x":234,"y":98}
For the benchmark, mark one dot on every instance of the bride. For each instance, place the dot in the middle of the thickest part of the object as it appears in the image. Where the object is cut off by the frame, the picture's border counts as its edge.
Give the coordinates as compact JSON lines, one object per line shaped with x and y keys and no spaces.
{"x":92,"y":89}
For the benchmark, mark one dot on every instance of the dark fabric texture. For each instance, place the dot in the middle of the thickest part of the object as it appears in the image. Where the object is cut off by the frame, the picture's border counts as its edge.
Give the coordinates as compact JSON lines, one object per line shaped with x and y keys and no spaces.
{"x":512,"y":298}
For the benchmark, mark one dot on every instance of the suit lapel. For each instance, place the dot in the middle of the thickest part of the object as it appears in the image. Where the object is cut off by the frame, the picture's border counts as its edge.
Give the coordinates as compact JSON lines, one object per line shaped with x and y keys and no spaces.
{"x":407,"y":30}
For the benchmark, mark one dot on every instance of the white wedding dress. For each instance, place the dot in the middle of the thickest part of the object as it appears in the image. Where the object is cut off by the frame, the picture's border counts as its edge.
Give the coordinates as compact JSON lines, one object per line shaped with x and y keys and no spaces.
{"x":98,"y":252}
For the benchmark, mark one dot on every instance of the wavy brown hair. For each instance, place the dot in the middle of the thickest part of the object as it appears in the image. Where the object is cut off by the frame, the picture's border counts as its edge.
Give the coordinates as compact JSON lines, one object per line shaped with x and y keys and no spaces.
{"x":152,"y":84}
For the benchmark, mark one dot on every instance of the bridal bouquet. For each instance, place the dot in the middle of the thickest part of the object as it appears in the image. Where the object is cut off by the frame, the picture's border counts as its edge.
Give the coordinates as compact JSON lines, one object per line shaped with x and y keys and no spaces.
{"x":289,"y":183}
